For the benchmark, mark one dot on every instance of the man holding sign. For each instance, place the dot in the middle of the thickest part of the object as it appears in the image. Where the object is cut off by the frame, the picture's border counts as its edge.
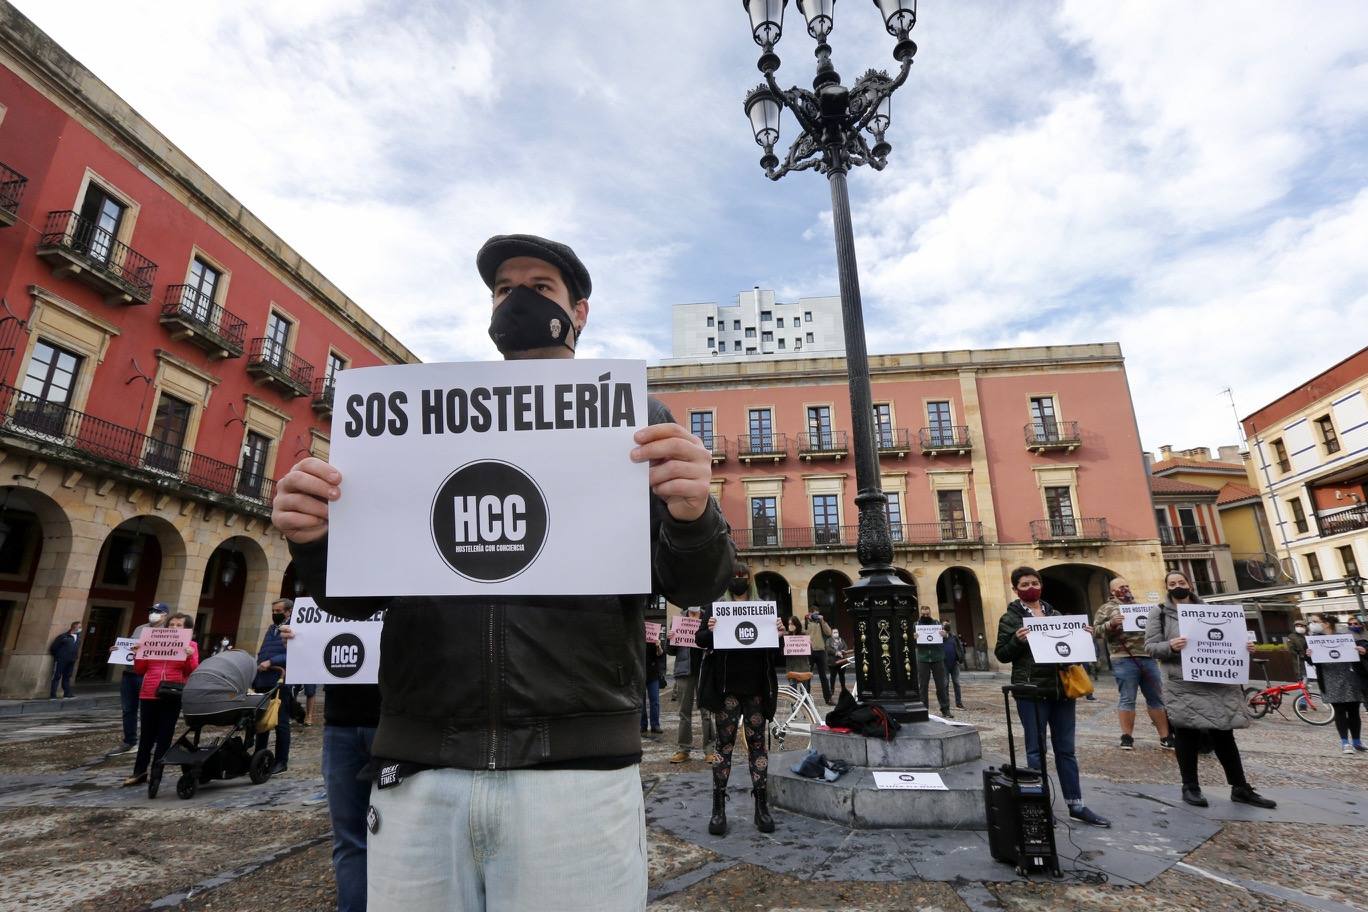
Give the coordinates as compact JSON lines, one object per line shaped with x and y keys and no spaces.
{"x":1123,"y":623}
{"x":520,"y":714}
{"x":931,"y":659}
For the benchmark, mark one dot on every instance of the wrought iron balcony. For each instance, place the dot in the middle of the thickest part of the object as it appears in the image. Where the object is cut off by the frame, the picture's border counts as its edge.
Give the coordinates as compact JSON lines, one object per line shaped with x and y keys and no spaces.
{"x":944,"y":439}
{"x":323,"y":390}
{"x":1052,"y":435}
{"x":919,"y":536}
{"x":12,"y":185}
{"x":65,"y":433}
{"x":717,"y":444}
{"x":753,"y":446}
{"x":1069,"y":530}
{"x":77,"y":247}
{"x":1350,"y":520}
{"x":948,"y":533}
{"x":271,"y":362}
{"x":892,"y":441}
{"x":1183,"y":536}
{"x":823,"y":445}
{"x":189,"y":314}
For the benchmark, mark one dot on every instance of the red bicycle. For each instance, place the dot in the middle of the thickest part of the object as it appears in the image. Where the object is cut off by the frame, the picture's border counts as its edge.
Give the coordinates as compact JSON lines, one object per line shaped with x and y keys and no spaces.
{"x":1309,"y":707}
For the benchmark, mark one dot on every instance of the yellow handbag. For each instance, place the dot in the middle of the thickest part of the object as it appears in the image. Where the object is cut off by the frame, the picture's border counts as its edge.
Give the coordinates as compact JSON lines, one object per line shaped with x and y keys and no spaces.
{"x":270,"y":716}
{"x":1074,"y":681}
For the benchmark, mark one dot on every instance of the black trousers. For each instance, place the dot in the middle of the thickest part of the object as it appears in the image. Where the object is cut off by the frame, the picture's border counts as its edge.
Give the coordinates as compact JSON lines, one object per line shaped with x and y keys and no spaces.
{"x":1187,"y":744}
{"x":158,"y":719}
{"x":1347,"y":721}
{"x":819,"y":665}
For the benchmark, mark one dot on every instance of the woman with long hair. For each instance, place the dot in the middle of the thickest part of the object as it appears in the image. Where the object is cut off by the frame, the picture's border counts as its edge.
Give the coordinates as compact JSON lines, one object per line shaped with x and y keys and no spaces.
{"x":158,"y":714}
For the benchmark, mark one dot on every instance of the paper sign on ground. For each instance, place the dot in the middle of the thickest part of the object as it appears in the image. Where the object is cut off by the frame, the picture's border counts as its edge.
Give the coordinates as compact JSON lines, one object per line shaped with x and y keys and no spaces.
{"x":935,"y":718}
{"x":125,"y":649}
{"x":746,"y":625}
{"x":930,"y":635}
{"x":1332,"y":648}
{"x":1133,"y":617}
{"x":164,"y":643}
{"x":797,"y":646}
{"x":683,"y":630}
{"x":653,"y":631}
{"x":327,"y":649}
{"x":1061,"y":639}
{"x":923,"y":782}
{"x":489,"y":478}
{"x":1216,"y":651}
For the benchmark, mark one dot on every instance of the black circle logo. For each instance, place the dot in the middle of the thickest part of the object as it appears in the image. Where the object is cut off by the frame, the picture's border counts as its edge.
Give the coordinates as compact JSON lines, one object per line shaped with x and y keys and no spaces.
{"x":344,"y":655}
{"x":1215,"y":633}
{"x":1141,"y":621}
{"x":1334,"y":653}
{"x":489,"y":521}
{"x":746,"y":633}
{"x":1063,"y":648}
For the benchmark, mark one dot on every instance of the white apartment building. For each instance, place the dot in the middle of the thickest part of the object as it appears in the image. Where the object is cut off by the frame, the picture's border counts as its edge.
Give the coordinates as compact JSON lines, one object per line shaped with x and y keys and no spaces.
{"x":757,"y":325}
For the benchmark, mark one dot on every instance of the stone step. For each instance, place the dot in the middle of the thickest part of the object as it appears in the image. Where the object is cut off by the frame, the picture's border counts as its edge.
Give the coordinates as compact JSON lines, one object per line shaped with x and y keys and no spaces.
{"x":919,"y":745}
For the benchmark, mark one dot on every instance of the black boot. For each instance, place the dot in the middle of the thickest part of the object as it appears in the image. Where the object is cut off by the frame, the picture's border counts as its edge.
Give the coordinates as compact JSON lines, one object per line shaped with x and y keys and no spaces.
{"x":1192,"y":794}
{"x":763,"y":821}
{"x":717,"y":824}
{"x":1245,"y":794}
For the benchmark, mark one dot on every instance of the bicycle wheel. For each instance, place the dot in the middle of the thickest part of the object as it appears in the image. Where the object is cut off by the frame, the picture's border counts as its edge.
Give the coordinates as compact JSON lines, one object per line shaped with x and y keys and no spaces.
{"x":1314,"y":710}
{"x":791,"y":727}
{"x":1256,"y":704}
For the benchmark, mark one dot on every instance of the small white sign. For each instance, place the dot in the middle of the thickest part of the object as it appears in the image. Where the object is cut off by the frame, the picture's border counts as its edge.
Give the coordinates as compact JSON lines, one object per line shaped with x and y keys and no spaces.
{"x":1133,"y":617}
{"x":916,"y":781}
{"x":930,"y":635}
{"x":797,"y":646}
{"x":1060,"y":640}
{"x":1332,"y":648}
{"x":125,"y":650}
{"x":1311,"y":673}
{"x":489,"y":478}
{"x":327,"y":649}
{"x":746,"y":625}
{"x":1217,"y":651}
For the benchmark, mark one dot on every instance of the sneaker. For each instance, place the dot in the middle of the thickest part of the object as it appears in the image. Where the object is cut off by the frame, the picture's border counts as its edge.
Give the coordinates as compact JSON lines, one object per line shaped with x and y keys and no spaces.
{"x":1245,"y":794}
{"x":137,"y":779}
{"x":680,"y":756}
{"x":1088,"y":817}
{"x":1345,"y":748}
{"x":657,"y":731}
{"x":124,"y":748}
{"x":1127,"y":743}
{"x":1167,"y":743}
{"x":711,"y":757}
{"x":959,"y":706}
{"x":278,"y":769}
{"x":947,"y":714}
{"x":1358,"y":746}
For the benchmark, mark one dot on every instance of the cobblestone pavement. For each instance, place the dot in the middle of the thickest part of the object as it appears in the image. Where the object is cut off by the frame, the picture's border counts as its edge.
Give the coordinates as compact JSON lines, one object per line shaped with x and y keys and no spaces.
{"x":72,"y":838}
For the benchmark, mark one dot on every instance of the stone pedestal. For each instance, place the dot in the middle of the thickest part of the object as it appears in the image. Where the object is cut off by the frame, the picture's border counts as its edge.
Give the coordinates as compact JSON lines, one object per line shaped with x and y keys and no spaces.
{"x":853,"y":800}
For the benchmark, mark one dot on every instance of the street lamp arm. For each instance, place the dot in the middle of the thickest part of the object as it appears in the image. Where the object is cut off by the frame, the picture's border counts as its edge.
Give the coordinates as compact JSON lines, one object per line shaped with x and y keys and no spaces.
{"x":878,"y":95}
{"x":798,"y":101}
{"x":803,"y":155}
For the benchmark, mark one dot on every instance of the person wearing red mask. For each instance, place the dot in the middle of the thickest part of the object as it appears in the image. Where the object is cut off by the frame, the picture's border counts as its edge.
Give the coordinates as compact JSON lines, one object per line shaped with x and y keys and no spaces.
{"x":1048,"y":708}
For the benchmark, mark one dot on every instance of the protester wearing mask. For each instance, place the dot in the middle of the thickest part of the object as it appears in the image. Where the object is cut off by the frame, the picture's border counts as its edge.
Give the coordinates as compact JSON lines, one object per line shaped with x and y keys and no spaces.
{"x":1133,"y":668}
{"x":1342,"y":686}
{"x":130,"y":685}
{"x":159,"y":713}
{"x":537,"y":747}
{"x":688,"y":663}
{"x":1198,"y":708}
{"x":819,"y":630}
{"x":836,"y":659}
{"x":953,"y":647}
{"x":653,"y":654}
{"x":270,"y":671}
{"x":931,"y":665}
{"x":65,"y":649}
{"x":1048,"y":708}
{"x":1296,"y":644}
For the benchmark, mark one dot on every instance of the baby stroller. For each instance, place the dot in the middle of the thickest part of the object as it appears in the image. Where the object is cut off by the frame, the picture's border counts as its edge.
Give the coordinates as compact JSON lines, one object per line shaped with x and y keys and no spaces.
{"x":218,"y":693}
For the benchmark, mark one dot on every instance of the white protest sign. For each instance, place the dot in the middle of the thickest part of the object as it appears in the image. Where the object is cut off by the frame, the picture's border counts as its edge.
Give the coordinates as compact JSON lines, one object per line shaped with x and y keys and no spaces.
{"x":922,"y":782}
{"x":125,"y":648}
{"x":653,"y":631}
{"x":930,"y":635}
{"x":1332,"y":648}
{"x":797,"y":646}
{"x":490,"y":478}
{"x":1133,"y":617}
{"x":163,"y":643}
{"x":1060,"y":640}
{"x":327,"y":649}
{"x":683,"y":630}
{"x":1216,"y":651}
{"x":746,"y":625}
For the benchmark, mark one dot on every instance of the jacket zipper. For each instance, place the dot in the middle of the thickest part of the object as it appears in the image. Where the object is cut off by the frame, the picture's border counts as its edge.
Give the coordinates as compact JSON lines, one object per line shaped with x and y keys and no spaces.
{"x":493,"y":694}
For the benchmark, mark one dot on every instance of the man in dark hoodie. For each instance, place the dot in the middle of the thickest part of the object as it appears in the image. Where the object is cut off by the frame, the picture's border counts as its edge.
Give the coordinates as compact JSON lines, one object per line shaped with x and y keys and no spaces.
{"x":506,"y":771}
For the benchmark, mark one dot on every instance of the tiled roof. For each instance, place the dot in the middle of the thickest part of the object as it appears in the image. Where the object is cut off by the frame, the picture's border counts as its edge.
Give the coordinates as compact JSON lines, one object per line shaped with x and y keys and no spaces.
{"x":1176,"y":463}
{"x":1233,"y":492}
{"x":1174,"y":486}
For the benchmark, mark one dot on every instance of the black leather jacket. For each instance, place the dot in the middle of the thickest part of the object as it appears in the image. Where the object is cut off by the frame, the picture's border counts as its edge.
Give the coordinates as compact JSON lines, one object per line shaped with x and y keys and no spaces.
{"x":512,"y":682}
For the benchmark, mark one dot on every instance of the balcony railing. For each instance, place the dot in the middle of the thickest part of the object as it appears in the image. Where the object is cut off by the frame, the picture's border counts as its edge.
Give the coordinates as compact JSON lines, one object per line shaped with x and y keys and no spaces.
{"x":1211,"y":587}
{"x":189,"y":313}
{"x":935,"y":534}
{"x":762,"y":446}
{"x":892,"y":441}
{"x":78,"y":434}
{"x":910,"y":535}
{"x":268,"y":359}
{"x":717,"y":445}
{"x":1052,"y":435}
{"x":944,"y":439}
{"x":12,"y":185}
{"x":323,"y":390}
{"x":1350,"y":520}
{"x":1069,"y":530}
{"x":822,"y":445}
{"x":1182,"y":536}
{"x":79,"y":247}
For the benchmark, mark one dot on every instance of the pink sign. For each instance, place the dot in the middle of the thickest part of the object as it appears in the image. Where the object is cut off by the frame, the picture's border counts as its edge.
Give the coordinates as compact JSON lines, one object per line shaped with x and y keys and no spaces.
{"x":653,"y":632}
{"x":683,"y":630}
{"x":797,"y":646}
{"x":165,"y":643}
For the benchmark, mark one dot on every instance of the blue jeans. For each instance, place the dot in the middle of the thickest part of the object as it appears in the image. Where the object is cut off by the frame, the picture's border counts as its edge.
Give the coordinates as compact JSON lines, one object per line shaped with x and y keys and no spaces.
{"x":452,"y":840}
{"x":62,"y":671}
{"x":1138,"y":674}
{"x":346,"y":750}
{"x":1058,"y":716}
{"x":651,"y":701}
{"x":129,"y":687}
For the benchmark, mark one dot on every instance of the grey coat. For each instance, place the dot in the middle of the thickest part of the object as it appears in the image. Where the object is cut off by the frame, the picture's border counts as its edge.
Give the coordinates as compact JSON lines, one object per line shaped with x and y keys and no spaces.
{"x":1339,"y":682}
{"x":1190,"y":704}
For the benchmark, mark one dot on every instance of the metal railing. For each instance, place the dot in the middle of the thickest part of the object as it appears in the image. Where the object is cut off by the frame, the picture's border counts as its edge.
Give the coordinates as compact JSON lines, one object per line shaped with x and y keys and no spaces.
{"x":1184,"y":535}
{"x":12,"y":185}
{"x":933,"y":534}
{"x":275,"y":358}
{"x":891,"y":440}
{"x":950,"y":531}
{"x":762,"y":445}
{"x":97,"y":248}
{"x":822,"y":442}
{"x":1350,"y":520}
{"x":323,"y":390}
{"x":1069,"y":528}
{"x":1210,"y":587}
{"x":946,"y":437}
{"x":1052,"y":433}
{"x":716,"y":444}
{"x":189,"y":304}
{"x":77,"y":433}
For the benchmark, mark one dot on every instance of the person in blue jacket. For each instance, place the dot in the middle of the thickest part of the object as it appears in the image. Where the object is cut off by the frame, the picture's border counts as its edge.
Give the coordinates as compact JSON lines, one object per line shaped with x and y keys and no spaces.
{"x":270,"y":667}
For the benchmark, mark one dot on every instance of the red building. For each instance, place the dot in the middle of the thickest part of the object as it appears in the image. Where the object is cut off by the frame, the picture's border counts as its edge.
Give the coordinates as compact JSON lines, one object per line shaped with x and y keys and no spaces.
{"x":163,"y":358}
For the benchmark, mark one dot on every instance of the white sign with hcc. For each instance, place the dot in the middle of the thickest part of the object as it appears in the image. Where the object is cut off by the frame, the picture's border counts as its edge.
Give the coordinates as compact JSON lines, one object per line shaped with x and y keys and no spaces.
{"x":746,"y":625}
{"x":498,"y":477}
{"x":922,"y":782}
{"x":929,"y":635}
{"x":1133,"y":617}
{"x":1217,"y":651}
{"x":1332,"y":648}
{"x":327,"y":649}
{"x":1060,"y":639}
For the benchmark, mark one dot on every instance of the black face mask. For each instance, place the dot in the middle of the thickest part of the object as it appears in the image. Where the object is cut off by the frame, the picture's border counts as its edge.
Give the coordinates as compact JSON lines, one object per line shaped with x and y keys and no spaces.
{"x":527,"y":320}
{"x":739,"y":587}
{"x":1180,"y":594}
{"x":278,"y":618}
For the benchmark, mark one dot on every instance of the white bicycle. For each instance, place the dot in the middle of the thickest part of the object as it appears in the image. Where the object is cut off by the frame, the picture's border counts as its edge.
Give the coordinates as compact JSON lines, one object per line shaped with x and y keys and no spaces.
{"x":795,"y":714}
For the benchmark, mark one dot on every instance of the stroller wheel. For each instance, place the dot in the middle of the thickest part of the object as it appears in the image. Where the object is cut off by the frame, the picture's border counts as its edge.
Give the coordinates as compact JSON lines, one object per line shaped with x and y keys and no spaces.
{"x":154,"y":780}
{"x":260,"y":770}
{"x":186,"y":786}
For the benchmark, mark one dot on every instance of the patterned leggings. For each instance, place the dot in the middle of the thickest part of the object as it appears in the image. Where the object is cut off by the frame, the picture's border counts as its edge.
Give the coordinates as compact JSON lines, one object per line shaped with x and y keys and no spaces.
{"x":734,"y":709}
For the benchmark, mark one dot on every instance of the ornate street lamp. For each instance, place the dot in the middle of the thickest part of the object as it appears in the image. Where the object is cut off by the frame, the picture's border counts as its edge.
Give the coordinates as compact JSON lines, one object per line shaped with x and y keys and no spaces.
{"x":840,"y":128}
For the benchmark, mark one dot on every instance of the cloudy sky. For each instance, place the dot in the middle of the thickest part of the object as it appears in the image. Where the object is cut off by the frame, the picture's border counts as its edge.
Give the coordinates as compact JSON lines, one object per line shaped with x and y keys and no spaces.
{"x":1189,"y":179}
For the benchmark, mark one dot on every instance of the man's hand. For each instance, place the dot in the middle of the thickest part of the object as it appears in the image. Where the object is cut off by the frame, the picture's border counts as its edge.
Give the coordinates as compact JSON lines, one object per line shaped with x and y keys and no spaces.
{"x":1177,"y":643}
{"x":286,"y":632}
{"x":681,"y":468}
{"x":300,"y":508}
{"x":264,"y":665}
{"x":712,"y":623}
{"x":1021,"y":633}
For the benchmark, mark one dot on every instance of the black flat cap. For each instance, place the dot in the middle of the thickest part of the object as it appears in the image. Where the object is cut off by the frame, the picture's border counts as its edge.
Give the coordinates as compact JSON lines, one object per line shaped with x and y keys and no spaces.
{"x":504,"y":246}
